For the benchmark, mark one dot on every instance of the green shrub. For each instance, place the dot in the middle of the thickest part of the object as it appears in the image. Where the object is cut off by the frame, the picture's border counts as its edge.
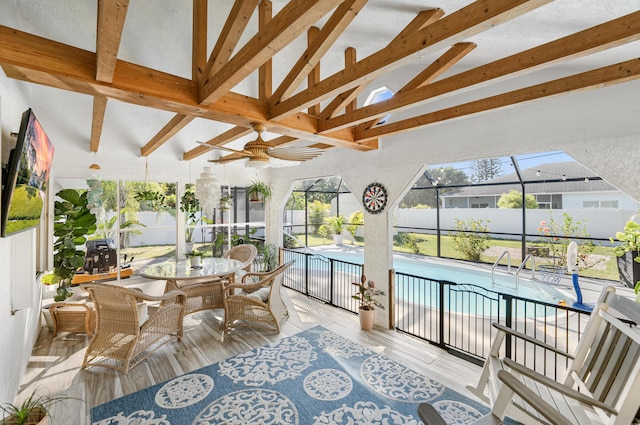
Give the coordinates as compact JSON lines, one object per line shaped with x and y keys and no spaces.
{"x":471,"y":238}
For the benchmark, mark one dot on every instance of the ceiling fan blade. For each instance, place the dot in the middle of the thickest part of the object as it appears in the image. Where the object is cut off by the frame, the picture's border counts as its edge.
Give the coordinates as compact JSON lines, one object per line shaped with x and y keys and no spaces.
{"x":222,"y":148}
{"x":295,"y":153}
{"x":225,"y":159}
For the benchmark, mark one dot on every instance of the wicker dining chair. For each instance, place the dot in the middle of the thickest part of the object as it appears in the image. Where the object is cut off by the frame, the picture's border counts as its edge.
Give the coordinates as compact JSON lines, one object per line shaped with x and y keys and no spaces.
{"x":256,"y":304}
{"x":128,"y":329}
{"x":245,"y":253}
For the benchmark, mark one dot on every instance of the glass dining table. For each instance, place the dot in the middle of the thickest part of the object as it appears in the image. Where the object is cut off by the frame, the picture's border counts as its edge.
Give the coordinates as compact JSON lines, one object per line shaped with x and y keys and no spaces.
{"x":204,"y":286}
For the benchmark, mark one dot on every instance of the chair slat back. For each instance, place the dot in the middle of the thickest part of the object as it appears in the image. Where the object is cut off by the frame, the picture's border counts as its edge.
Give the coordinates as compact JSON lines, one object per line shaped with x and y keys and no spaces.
{"x":607,"y":362}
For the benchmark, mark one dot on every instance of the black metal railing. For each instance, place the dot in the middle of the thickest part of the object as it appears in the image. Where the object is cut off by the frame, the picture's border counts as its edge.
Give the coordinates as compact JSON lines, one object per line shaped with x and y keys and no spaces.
{"x":322,"y":278}
{"x":456,"y":317}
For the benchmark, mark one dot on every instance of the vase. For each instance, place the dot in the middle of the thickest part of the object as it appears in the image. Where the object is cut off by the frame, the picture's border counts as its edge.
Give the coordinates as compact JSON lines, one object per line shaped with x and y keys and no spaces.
{"x":628,"y":269}
{"x":366,"y":319}
{"x":195,"y":261}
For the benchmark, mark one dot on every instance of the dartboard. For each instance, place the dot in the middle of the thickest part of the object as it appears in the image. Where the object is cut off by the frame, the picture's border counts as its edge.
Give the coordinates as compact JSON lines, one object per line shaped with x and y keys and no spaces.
{"x":374,"y":198}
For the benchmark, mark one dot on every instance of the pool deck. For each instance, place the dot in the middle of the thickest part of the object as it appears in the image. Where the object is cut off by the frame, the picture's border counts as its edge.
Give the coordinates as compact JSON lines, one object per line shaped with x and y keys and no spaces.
{"x":591,"y":288}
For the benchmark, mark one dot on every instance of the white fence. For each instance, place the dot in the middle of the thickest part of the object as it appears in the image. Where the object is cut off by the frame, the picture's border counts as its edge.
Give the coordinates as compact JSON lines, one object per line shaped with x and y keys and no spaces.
{"x":599,"y":222}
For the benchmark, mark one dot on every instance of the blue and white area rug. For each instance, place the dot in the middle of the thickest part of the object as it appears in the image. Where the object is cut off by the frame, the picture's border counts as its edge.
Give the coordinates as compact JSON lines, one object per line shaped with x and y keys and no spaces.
{"x":314,"y":377}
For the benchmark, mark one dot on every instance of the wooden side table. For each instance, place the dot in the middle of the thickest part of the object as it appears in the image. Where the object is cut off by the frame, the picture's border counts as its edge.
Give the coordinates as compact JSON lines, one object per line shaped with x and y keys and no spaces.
{"x":73,"y":317}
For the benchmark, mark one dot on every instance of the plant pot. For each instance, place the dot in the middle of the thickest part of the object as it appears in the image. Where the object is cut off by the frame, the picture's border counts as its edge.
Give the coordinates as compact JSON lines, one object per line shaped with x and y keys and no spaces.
{"x":338,"y":239}
{"x":188,"y":246}
{"x":47,"y":317}
{"x":38,"y":416}
{"x":195,"y":261}
{"x":629,"y":270}
{"x":256,"y":197}
{"x":146,"y":205}
{"x":366,"y":319}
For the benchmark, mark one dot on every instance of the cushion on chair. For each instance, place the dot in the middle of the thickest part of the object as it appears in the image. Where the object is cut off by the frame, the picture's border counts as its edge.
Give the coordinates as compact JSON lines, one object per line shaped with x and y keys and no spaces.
{"x":261,"y":294}
{"x":143,"y":313}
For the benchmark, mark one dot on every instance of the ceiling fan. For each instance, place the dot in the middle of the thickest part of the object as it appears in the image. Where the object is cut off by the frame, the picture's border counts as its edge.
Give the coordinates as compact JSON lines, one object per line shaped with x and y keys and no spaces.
{"x":260,"y":152}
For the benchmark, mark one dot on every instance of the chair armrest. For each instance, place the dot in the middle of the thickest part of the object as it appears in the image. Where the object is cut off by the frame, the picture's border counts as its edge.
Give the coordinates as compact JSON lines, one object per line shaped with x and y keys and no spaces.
{"x":178,"y":296}
{"x":260,"y":275}
{"x":532,"y":399}
{"x":245,"y":287}
{"x":556,"y":386}
{"x":530,"y":339}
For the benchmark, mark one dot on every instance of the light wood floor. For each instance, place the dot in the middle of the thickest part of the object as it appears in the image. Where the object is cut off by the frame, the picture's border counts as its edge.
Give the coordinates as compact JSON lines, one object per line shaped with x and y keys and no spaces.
{"x":54,"y":366}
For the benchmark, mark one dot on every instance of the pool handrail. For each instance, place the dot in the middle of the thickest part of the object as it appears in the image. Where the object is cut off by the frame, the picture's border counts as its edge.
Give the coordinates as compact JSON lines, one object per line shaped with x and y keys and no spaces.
{"x":523,"y":264}
{"x":493,"y":268}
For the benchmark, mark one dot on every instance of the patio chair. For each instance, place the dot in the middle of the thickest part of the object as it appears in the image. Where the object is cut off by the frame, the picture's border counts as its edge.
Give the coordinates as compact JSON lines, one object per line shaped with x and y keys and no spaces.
{"x":602,"y":382}
{"x":244,"y":253}
{"x":202,"y":294}
{"x":128,"y":329}
{"x":257,"y":304}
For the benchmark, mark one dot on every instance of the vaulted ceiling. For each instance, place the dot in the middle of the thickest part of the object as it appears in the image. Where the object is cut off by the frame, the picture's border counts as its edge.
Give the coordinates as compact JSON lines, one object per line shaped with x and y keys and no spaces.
{"x":167,"y":74}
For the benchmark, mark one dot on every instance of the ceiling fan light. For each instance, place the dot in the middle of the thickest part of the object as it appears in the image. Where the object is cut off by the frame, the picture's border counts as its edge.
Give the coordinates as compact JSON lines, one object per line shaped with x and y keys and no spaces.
{"x":257,"y":163}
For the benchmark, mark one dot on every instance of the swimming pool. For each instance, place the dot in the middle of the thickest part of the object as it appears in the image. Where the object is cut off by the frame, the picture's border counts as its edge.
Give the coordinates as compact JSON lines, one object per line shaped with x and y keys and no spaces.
{"x":479,"y":275}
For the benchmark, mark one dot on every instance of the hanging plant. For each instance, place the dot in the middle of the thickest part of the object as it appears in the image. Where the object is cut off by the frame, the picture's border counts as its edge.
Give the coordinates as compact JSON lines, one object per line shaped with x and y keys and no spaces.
{"x":259,"y":191}
{"x":225,"y":201}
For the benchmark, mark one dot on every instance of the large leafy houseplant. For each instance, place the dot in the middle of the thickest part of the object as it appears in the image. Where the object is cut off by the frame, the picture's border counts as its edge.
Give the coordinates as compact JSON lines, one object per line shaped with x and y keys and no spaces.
{"x":73,"y":222}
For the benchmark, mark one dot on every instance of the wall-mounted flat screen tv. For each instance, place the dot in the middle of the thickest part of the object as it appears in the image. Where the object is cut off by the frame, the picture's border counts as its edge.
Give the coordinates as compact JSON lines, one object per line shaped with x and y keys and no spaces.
{"x":26,"y":177}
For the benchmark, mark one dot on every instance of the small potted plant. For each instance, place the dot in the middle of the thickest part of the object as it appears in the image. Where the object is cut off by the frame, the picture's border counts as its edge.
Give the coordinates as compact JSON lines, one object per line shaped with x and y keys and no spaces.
{"x":34,"y":410}
{"x":225,"y":201}
{"x":366,"y":296}
{"x":259,"y":191}
{"x":149,"y":199}
{"x":335,"y":226}
{"x":195,"y":258}
{"x":628,"y":253}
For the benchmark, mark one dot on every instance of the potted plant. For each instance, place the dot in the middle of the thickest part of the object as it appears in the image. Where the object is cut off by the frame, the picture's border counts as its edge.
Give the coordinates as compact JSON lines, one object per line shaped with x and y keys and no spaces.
{"x":73,"y":222}
{"x":334,"y":226}
{"x":225,"y":201}
{"x":34,"y":410}
{"x":195,"y":258}
{"x":628,"y":253}
{"x":366,"y":296}
{"x":259,"y":191}
{"x":149,"y":199}
{"x":190,"y":205}
{"x":267,"y":258}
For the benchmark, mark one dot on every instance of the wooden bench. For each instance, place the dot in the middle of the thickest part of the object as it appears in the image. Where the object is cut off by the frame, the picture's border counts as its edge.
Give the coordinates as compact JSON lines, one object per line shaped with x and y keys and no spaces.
{"x":602,"y":385}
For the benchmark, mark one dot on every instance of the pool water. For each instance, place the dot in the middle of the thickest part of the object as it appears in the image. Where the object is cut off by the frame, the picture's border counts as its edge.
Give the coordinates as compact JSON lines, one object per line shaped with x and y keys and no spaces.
{"x":463,"y":274}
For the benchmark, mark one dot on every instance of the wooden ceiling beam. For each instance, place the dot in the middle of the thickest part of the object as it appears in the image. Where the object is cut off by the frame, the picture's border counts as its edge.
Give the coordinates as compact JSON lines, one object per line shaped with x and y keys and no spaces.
{"x":340,"y":102}
{"x":429,"y":74}
{"x":601,"y":77}
{"x":314,"y":75}
{"x":111,"y":17}
{"x":227,"y":137}
{"x":464,"y":23}
{"x":170,"y":129}
{"x":37,"y":60}
{"x":265,"y":72}
{"x":99,"y":109}
{"x":335,"y":26}
{"x":349,"y":98}
{"x":199,"y":39}
{"x":285,"y":27}
{"x":230,"y":36}
{"x":617,"y":32}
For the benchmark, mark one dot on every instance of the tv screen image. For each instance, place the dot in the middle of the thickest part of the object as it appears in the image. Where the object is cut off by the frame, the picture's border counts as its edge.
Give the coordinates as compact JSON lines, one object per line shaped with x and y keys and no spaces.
{"x":27,"y":177}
